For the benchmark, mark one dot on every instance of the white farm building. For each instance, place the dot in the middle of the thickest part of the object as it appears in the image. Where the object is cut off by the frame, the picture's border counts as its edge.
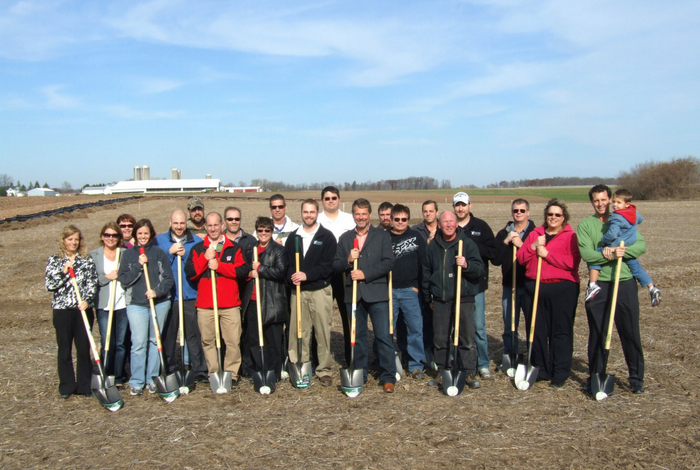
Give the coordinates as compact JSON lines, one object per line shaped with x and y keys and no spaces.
{"x":41,"y":192}
{"x":163,"y":186}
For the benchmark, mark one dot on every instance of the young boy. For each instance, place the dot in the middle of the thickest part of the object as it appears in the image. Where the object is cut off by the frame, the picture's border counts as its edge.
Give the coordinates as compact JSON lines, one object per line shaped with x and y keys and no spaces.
{"x":623,"y":226}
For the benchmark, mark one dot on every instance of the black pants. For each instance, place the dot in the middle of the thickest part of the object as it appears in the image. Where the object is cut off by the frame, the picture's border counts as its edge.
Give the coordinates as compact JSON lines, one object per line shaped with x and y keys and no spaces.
{"x":627,"y":323}
{"x":443,"y":338}
{"x":70,"y":330}
{"x":338,"y":287}
{"x":553,"y":345}
{"x":171,"y":339}
{"x":273,"y":338}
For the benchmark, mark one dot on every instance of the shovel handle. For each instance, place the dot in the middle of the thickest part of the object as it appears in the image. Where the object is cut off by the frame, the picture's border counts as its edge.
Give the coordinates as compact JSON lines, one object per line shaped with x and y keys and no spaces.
{"x":88,"y":330}
{"x":613,"y":307}
{"x":258,"y":305}
{"x":156,"y":329}
{"x":458,"y":295}
{"x":535,"y":300}
{"x":391,"y":304}
{"x":354,"y":298}
{"x":180,"y":302}
{"x":216,"y":309}
{"x":298,"y":269}
{"x":512,"y":294}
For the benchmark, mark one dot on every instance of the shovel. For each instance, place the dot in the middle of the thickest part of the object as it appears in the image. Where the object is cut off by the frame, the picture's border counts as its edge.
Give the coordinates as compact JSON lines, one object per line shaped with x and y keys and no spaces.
{"x":299,"y":373}
{"x":602,"y":384}
{"x":263,"y":381}
{"x":109,"y":380}
{"x":185,"y":377}
{"x":351,"y":379}
{"x":220,"y":382}
{"x":453,"y":379}
{"x":509,"y":362}
{"x":108,"y":396}
{"x":167,"y":385}
{"x":525,"y":376}
{"x":399,"y":366}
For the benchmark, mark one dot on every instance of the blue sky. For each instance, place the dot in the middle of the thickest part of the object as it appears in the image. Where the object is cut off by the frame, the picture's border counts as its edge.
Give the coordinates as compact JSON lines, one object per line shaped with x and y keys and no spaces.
{"x":471,"y":91}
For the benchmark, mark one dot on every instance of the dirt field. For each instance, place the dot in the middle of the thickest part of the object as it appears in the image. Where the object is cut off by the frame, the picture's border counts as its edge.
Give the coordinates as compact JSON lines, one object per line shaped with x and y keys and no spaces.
{"x":417,"y":427}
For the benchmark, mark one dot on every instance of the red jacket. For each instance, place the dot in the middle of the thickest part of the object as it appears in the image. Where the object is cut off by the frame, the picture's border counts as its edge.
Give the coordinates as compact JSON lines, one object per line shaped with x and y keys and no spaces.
{"x":562,"y":260}
{"x":231,"y":268}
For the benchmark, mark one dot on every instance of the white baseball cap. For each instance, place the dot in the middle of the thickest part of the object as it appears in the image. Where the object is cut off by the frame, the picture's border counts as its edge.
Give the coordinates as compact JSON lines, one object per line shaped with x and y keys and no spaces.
{"x":461,"y":197}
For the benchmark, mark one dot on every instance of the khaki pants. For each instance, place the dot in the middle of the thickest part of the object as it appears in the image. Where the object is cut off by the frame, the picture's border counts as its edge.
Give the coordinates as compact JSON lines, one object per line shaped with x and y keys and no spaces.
{"x":230,"y":324}
{"x":317,"y":309}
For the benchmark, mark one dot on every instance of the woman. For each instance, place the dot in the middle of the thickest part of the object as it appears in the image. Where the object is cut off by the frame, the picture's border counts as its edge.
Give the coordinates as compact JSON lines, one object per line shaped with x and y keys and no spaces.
{"x":105,"y":258}
{"x":67,"y":319}
{"x":270,"y":269}
{"x":556,"y":244}
{"x":126,"y":224}
{"x":145,"y":361}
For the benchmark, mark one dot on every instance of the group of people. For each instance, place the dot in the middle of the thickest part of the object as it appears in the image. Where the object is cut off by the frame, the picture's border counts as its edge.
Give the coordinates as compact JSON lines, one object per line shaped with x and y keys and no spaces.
{"x":208,"y":261}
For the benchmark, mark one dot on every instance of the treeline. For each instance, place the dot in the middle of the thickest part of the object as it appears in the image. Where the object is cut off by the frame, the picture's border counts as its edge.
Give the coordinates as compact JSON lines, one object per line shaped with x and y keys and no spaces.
{"x":675,"y":179}
{"x":556,"y":181}
{"x":404,"y":184}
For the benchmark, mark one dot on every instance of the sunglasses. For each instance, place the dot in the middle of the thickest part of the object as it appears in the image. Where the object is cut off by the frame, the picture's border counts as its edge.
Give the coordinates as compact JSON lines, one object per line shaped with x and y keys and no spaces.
{"x":231,"y":219}
{"x":264,"y":230}
{"x":333,"y":198}
{"x":552,"y":214}
{"x":519,"y":211}
{"x":126,"y":225}
{"x":400,"y":219}
{"x":277,"y":207}
{"x":110,"y":235}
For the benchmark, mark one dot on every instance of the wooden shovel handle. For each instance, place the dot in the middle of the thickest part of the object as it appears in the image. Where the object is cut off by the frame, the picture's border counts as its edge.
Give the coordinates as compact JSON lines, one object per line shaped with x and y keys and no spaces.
{"x":156,"y":329}
{"x":613,"y":307}
{"x":536,"y":299}
{"x":391,"y":304}
{"x":258,"y":305}
{"x":458,"y":295}
{"x":216,"y":309}
{"x":180,"y":302}
{"x":88,"y":330}
{"x":354,"y":298}
{"x":298,"y":269}
{"x":512,"y":293}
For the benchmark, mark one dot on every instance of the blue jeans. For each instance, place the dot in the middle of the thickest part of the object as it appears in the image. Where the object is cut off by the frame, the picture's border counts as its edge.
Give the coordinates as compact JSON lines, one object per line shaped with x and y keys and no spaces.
{"x":117,"y":351}
{"x":378,"y":312}
{"x":406,"y":300}
{"x":636,"y":270}
{"x":509,"y":348}
{"x":482,"y":341}
{"x":145,"y":360}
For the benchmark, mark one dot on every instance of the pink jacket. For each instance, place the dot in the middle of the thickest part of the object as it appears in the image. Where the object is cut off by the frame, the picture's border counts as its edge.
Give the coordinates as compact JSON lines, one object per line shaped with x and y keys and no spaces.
{"x":561,"y":262}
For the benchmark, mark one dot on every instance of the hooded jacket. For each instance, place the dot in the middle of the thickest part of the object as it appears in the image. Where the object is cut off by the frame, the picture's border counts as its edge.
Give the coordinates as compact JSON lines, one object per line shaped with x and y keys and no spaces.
{"x":562,"y":259}
{"x":271,"y":272}
{"x":131,"y":276}
{"x":622,"y":226}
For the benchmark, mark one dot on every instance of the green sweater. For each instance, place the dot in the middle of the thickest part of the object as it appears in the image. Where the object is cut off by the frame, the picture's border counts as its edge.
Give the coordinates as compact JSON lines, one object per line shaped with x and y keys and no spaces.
{"x":590,"y":232}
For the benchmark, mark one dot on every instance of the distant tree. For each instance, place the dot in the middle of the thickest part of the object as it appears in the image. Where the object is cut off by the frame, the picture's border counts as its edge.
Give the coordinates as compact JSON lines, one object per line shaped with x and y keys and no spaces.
{"x":354,"y":188}
{"x":675,"y":179}
{"x":6,"y":181}
{"x":46,"y":185}
{"x":3,"y":191}
{"x":23,"y":188}
{"x":66,"y":187}
{"x":36,"y":184}
{"x":242,"y":183}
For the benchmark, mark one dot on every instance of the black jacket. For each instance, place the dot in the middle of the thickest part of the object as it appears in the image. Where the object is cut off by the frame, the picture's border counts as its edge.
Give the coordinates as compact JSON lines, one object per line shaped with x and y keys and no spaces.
{"x":480,"y":233}
{"x":274,"y":263}
{"x":317,"y":264}
{"x":505,"y":255}
{"x":440,"y":269}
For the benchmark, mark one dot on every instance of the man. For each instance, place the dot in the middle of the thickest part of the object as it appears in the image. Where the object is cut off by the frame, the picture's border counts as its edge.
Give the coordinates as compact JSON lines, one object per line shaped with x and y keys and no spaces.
{"x":196,"y":222}
{"x":283,"y":224}
{"x":513,"y":235}
{"x":482,"y":235}
{"x":590,"y":232}
{"x":178,"y":241}
{"x":317,"y":250}
{"x":234,"y":232}
{"x":216,"y":252}
{"x":375,"y":260}
{"x":385,"y":216}
{"x":439,"y":278}
{"x":428,"y":227}
{"x":337,"y":222}
{"x":409,"y":250}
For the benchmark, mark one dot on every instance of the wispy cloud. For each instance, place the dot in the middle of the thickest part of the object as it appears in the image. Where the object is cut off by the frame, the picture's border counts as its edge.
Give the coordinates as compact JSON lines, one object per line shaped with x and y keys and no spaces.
{"x":56,"y":99}
{"x":159,"y":85}
{"x":126,"y":112}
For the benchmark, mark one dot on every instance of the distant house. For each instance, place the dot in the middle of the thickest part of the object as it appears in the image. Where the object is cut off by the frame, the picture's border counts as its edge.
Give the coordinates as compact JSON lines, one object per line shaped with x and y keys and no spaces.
{"x":93,"y":190}
{"x":41,"y":192}
{"x":242,"y":189}
{"x":12,"y":192}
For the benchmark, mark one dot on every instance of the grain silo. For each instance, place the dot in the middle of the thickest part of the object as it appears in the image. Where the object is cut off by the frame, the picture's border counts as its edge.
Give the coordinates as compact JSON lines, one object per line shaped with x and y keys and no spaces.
{"x":175,"y":174}
{"x":208,"y":176}
{"x":145,"y":173}
{"x":137,"y":173}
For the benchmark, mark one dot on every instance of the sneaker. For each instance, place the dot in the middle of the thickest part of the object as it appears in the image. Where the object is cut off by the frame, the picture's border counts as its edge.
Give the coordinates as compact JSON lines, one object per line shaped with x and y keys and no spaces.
{"x":655,"y":294}
{"x":472,"y":381}
{"x":136,"y":391}
{"x":592,"y":291}
{"x":418,"y":374}
{"x":637,"y":389}
{"x":485,"y":373}
{"x":435,"y":383}
{"x":152,"y":388}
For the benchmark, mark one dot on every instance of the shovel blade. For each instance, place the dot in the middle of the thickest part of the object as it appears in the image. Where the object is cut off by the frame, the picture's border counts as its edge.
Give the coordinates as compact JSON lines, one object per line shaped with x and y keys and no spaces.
{"x":525,"y":376}
{"x":399,"y":366}
{"x":602,"y":385}
{"x":453,"y":381}
{"x":185,"y":381}
{"x":168,"y":387}
{"x":220,"y":382}
{"x":509,"y":363}
{"x":300,"y":376}
{"x":109,"y":397}
{"x":264,"y":383}
{"x":352,"y":381}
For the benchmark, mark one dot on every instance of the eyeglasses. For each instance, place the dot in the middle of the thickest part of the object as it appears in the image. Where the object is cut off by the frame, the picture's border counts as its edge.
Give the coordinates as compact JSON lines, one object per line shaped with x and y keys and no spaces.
{"x":400,"y":219}
{"x":194,"y":209}
{"x":110,"y":235}
{"x":552,"y":214}
{"x":519,"y":211}
{"x":231,"y":219}
{"x":277,"y":207}
{"x":264,"y":230}
{"x":331,"y":198}
{"x":126,"y":225}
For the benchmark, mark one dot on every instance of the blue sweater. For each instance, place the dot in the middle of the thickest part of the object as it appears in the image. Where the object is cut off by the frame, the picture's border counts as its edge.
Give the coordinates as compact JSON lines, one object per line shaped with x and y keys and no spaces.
{"x":164,"y":241}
